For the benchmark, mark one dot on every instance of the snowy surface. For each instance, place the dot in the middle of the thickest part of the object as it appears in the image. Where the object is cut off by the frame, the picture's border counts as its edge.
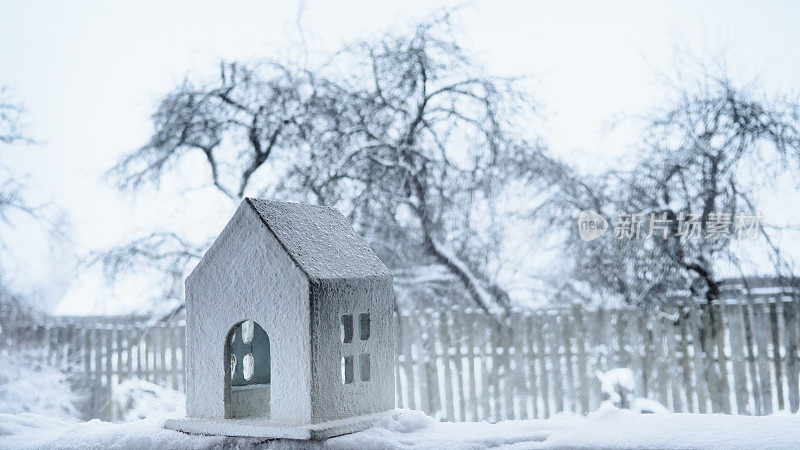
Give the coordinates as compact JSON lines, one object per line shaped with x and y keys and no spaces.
{"x":609,"y":427}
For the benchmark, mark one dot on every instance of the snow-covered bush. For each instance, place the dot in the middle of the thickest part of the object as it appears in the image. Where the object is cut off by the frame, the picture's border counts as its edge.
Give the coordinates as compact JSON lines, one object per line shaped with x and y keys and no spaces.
{"x":28,"y":385}
{"x":618,"y":387}
{"x":137,"y":399}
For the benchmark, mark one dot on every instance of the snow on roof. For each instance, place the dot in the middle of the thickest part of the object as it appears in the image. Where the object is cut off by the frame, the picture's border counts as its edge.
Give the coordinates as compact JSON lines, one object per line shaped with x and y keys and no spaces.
{"x":320,"y":240}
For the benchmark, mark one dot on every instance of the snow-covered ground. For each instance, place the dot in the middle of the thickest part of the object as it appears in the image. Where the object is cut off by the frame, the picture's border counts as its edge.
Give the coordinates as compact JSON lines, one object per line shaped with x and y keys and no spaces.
{"x":608,"y":427}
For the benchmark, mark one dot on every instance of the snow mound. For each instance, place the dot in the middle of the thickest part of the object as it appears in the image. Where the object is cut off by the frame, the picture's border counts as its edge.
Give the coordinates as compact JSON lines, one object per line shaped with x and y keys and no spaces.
{"x":647,"y":406}
{"x":415,"y":429}
{"x":406,"y":421}
{"x":138,"y":399}
{"x":31,"y":431}
{"x":27,"y":385}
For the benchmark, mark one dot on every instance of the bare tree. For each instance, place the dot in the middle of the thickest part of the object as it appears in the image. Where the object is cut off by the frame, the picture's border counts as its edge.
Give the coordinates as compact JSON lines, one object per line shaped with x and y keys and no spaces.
{"x":165,"y":252}
{"x":405,"y":134}
{"x":11,"y":129}
{"x":240,"y":122}
{"x":705,"y":159}
{"x":11,"y":198}
{"x":15,"y":312}
{"x":250,"y":115}
{"x":708,"y":154}
{"x":415,"y":146}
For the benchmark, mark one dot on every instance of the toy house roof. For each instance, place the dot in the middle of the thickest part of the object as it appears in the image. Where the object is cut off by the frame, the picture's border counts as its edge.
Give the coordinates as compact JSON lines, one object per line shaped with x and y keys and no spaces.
{"x":319,"y":240}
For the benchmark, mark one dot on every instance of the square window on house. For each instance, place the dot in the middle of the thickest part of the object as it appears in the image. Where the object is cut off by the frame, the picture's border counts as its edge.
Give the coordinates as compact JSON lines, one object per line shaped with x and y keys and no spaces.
{"x":346,"y":333}
{"x":363,"y":366}
{"x":347,"y":369}
{"x":363,"y":326}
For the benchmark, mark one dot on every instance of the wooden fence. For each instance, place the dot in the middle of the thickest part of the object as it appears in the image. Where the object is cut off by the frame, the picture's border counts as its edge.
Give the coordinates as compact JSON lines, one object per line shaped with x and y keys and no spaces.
{"x":738,"y":356}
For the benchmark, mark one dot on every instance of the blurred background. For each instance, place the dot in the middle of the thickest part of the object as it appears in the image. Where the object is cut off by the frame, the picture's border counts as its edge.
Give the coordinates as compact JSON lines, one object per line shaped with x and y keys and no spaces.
{"x":461,"y":140}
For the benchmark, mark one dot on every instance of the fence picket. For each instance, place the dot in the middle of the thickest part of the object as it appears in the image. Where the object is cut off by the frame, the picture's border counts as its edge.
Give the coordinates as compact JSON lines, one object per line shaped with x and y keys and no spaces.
{"x":431,"y":367}
{"x":601,"y":351}
{"x":119,"y":347}
{"x":485,"y":392}
{"x":580,"y":339}
{"x":760,"y":316}
{"x":750,"y":351}
{"x":645,"y":355}
{"x":408,"y":338}
{"x":163,"y":354}
{"x":670,"y":337}
{"x":736,"y":329}
{"x":722,"y":358}
{"x":555,"y":356}
{"x":506,"y":377}
{"x":447,"y":371}
{"x":544,"y":374}
{"x":173,"y":357}
{"x":684,"y":316}
{"x":521,"y":391}
{"x":790,"y":334}
{"x":774,"y":332}
{"x":622,"y":337}
{"x":471,"y":378}
{"x":566,"y":338}
{"x":659,"y":357}
{"x":700,"y":373}
{"x":530,"y":366}
{"x":497,"y":367}
{"x":454,"y":330}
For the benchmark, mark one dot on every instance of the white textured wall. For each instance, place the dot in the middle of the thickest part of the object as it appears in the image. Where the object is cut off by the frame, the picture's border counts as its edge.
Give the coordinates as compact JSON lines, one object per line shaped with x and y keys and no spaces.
{"x":331,"y":399}
{"x":246,"y":274}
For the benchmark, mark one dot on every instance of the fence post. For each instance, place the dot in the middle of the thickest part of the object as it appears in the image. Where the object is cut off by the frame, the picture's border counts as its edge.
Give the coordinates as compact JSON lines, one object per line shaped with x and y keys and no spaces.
{"x":457,"y":339}
{"x":408,"y":337}
{"x":580,"y":340}
{"x":530,"y":369}
{"x":398,"y":356}
{"x":735,"y":328}
{"x":722,"y":358}
{"x":472,"y":378}
{"x":762,"y":342}
{"x":520,"y":381}
{"x":790,"y":328}
{"x":776,"y":350}
{"x":539,"y":326}
{"x":447,"y":372}
{"x":749,"y":339}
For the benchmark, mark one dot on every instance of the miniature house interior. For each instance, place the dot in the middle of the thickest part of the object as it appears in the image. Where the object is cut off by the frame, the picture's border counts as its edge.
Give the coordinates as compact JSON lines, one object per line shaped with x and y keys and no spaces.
{"x":289,"y":329}
{"x":248,"y":378}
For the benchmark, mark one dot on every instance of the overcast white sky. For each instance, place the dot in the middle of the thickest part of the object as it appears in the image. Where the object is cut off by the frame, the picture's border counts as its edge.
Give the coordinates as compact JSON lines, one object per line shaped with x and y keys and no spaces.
{"x":90,"y":72}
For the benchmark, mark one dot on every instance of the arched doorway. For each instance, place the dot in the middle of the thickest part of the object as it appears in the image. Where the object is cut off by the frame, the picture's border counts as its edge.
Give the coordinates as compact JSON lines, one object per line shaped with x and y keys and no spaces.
{"x":247,"y":355}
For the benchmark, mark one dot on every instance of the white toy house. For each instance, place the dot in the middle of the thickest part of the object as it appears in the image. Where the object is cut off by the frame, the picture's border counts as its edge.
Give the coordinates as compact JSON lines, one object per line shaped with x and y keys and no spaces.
{"x":289,"y":329}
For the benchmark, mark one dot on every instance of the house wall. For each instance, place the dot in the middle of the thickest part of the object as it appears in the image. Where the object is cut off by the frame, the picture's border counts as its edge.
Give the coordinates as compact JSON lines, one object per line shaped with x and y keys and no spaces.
{"x":332,"y":399}
{"x":246,"y":274}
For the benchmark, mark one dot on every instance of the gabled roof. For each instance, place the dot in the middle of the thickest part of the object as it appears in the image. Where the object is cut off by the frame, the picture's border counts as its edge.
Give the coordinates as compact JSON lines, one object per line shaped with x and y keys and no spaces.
{"x":319,"y":239}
